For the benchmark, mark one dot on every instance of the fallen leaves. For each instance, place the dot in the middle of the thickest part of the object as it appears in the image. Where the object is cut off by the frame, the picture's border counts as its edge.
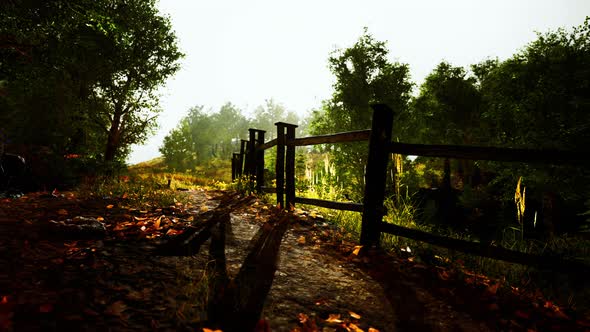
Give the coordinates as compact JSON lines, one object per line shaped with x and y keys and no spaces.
{"x":334,"y":322}
{"x":116,"y":309}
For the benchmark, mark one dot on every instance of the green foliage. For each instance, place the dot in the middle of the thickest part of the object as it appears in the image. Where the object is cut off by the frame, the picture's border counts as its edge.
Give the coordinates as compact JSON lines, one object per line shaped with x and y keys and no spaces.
{"x":363,"y":76}
{"x":265,"y":117}
{"x":81,"y":77}
{"x":447,"y":110}
{"x":200,"y":137}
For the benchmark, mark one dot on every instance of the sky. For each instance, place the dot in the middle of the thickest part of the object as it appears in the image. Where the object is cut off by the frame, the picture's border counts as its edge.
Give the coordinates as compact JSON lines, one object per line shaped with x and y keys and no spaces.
{"x":246,"y":52}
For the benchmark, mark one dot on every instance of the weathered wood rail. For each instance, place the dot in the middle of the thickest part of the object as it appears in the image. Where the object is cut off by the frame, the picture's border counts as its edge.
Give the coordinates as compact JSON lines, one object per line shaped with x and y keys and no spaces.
{"x":372,"y":209}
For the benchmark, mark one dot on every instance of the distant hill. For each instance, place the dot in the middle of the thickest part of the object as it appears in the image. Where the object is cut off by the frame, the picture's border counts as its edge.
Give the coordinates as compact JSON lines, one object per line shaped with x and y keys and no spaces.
{"x":156,"y":164}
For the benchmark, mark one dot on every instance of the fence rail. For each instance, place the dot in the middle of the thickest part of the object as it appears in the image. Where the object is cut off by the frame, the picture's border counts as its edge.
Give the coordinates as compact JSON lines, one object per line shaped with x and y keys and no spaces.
{"x":556,"y":157}
{"x":251,"y":161}
{"x":330,"y":204}
{"x":351,"y":136}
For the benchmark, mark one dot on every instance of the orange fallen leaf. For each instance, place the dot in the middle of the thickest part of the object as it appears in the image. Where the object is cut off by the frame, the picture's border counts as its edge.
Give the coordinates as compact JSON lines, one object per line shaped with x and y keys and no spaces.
{"x":356,"y":250}
{"x":124,"y":196}
{"x":302,"y":318}
{"x":443,"y":275}
{"x":210,"y":330}
{"x":100,"y":218}
{"x":110,"y":206}
{"x":116,"y":309}
{"x":157,"y":223}
{"x":353,"y":328}
{"x":354,"y":315}
{"x":301,"y":240}
{"x":62,"y":212}
{"x":373,"y":330}
{"x":334,"y":318}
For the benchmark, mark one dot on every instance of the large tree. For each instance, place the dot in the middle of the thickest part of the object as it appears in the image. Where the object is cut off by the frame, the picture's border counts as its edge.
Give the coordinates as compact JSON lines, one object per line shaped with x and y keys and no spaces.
{"x":147,"y":54}
{"x":539,"y":98}
{"x":364,"y":75}
{"x":82,"y":76}
{"x":447,"y":111}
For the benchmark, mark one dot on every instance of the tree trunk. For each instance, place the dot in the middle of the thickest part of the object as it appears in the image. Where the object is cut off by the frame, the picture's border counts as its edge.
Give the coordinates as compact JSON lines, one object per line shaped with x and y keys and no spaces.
{"x":113,"y":138}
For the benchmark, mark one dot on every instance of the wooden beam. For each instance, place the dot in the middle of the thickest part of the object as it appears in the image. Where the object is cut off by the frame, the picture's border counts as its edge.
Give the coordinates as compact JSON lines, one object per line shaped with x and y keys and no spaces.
{"x":490,"y":153}
{"x":330,"y":204}
{"x":350,"y":136}
{"x":267,"y":145}
{"x":485,"y":250}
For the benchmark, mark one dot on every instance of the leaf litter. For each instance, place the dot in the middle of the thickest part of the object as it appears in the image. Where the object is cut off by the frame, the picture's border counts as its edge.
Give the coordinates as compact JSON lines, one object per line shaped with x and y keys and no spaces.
{"x":73,"y":279}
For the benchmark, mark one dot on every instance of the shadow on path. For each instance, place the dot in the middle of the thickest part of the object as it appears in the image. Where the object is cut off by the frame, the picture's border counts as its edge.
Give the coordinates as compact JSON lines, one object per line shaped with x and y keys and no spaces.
{"x":236,"y":305}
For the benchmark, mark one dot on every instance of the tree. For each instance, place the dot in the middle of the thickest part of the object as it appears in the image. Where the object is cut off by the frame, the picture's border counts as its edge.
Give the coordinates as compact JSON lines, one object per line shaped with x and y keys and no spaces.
{"x":201,"y":136}
{"x":447,"y":111}
{"x":265,"y":117}
{"x":146,"y":56}
{"x":81,"y":76}
{"x":364,"y":75}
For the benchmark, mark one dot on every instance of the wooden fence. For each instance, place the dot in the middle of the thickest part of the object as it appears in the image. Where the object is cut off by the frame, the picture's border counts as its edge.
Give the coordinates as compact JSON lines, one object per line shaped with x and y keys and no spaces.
{"x":250,"y":163}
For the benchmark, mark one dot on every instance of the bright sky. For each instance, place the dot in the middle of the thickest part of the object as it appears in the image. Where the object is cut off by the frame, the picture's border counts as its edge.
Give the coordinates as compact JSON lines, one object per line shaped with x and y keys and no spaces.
{"x":245,"y":52}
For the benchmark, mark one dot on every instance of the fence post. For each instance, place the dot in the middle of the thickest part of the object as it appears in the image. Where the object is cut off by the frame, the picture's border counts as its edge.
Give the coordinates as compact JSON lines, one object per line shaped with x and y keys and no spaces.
{"x":241,"y":161}
{"x":251,"y":156}
{"x":280,"y":164}
{"x":290,"y":168}
{"x":376,"y":174}
{"x":259,"y":160}
{"x":234,"y":166}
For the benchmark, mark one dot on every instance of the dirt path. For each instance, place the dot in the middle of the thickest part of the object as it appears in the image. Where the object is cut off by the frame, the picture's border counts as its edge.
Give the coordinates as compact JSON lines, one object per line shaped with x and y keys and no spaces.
{"x":247,"y":262}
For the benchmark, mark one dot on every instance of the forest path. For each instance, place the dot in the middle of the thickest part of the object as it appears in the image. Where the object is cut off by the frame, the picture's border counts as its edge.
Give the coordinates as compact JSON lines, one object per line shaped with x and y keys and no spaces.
{"x":249,"y":264}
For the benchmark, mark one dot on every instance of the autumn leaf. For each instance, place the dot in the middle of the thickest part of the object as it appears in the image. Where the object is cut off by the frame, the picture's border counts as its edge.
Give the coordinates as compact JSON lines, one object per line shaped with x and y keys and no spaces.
{"x":157,"y":223}
{"x":110,"y":206}
{"x":334,"y":318}
{"x":373,"y":330}
{"x":62,"y":212}
{"x":210,"y":330}
{"x":354,"y":315}
{"x":356,"y":250}
{"x":124,"y":196}
{"x":301,"y":240}
{"x":100,"y":218}
{"x":353,"y":328}
{"x":116,"y":309}
{"x":303,"y":318}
